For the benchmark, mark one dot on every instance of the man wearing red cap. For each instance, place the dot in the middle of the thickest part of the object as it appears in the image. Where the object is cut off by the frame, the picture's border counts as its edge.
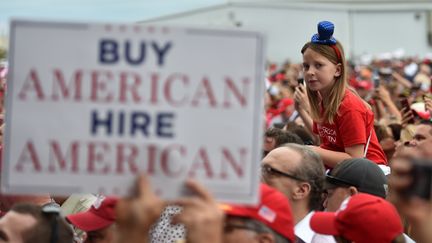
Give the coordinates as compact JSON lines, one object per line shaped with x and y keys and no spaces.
{"x":98,"y":221}
{"x":362,"y":218}
{"x":270,"y":221}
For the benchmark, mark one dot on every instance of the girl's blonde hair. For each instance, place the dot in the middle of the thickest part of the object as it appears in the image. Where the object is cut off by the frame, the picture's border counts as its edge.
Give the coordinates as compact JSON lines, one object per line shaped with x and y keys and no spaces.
{"x":334,"y":99}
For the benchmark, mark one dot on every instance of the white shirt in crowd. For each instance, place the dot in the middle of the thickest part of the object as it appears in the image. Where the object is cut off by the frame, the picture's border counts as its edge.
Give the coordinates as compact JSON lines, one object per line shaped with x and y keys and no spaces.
{"x":303,"y":231}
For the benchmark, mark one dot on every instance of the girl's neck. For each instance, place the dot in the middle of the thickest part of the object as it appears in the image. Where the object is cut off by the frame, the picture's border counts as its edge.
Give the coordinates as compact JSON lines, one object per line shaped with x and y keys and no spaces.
{"x":324,"y":92}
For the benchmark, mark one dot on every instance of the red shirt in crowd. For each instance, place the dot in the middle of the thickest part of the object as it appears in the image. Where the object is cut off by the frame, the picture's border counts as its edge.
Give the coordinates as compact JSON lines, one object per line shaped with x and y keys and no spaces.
{"x":352,"y":126}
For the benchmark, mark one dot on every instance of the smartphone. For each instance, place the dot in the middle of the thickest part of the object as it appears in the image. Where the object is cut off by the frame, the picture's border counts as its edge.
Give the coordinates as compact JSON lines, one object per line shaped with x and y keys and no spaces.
{"x":300,"y":81}
{"x":405,"y":104}
{"x":421,"y":173}
{"x":376,"y":80}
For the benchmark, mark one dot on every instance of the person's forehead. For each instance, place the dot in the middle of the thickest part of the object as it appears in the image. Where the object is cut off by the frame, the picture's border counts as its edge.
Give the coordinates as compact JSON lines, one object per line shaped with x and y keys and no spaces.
{"x":424,"y":130}
{"x":311,"y":54}
{"x":283,"y":157}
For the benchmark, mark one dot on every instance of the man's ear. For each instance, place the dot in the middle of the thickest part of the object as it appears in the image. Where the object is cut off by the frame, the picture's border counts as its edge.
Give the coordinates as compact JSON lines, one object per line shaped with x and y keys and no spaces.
{"x":338,"y":72}
{"x":353,"y":190}
{"x":266,"y":238}
{"x":302,"y":190}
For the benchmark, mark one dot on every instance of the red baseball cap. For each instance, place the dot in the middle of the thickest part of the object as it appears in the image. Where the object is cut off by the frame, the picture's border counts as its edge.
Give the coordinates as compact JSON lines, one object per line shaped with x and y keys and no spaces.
{"x":362,"y":218}
{"x":284,"y":103}
{"x":100,"y":215}
{"x":273,"y":210}
{"x":363,"y":84}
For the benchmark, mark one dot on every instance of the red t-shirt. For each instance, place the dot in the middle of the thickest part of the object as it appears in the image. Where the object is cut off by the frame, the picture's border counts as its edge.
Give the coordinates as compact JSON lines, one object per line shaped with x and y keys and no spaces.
{"x":352,"y":126}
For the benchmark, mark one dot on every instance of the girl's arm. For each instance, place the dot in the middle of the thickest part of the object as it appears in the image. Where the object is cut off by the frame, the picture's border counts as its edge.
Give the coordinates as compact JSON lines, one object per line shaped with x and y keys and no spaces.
{"x":332,"y":158}
{"x":302,"y":107}
{"x":307,"y":120}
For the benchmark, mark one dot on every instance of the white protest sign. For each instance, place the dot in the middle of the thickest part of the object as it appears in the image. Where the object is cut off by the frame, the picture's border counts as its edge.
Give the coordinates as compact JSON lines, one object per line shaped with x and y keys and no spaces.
{"x":90,"y":106}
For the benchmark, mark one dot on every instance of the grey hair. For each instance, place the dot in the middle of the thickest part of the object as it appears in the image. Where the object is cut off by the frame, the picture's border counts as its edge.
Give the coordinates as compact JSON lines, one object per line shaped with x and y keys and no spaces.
{"x":312,"y":170}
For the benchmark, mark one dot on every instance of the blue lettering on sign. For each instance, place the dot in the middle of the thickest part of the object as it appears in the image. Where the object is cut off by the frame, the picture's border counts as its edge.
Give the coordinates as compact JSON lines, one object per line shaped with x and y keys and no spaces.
{"x":139,"y":123}
{"x":98,"y":122}
{"x":111,"y":51}
{"x":164,"y":125}
{"x":108,"y":51}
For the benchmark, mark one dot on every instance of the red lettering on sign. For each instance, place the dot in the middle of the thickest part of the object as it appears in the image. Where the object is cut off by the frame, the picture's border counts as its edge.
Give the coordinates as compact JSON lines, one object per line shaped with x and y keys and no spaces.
{"x":57,"y":157}
{"x":171,"y":159}
{"x":237,"y":165}
{"x":230,"y":88}
{"x":204,"y":91}
{"x":59,"y":85}
{"x":99,"y":91}
{"x":126,"y":88}
{"x":28,"y":155}
{"x":32,"y":84}
{"x":126,"y":157}
{"x":200,"y":162}
{"x":97,"y":154}
{"x":182,"y":81}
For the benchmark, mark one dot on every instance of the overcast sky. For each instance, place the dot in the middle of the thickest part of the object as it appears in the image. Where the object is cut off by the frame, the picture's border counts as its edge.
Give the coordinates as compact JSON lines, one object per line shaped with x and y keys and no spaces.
{"x":94,"y":10}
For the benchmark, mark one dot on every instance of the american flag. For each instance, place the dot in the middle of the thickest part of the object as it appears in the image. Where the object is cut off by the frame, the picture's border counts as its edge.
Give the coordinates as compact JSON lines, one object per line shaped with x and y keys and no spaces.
{"x":267,"y":214}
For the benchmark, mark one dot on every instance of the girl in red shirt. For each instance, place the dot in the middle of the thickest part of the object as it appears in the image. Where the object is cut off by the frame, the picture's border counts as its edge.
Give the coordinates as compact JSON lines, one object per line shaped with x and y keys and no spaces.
{"x":341,"y":119}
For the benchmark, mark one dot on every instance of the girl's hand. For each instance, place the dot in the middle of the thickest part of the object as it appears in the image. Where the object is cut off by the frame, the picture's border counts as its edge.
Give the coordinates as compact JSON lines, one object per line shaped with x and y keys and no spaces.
{"x":301,"y":99}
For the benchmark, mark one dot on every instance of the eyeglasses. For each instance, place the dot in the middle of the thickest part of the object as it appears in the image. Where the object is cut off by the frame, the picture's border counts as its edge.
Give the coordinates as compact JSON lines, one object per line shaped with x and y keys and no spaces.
{"x":339,"y":182}
{"x":268,"y":171}
{"x":53,"y":214}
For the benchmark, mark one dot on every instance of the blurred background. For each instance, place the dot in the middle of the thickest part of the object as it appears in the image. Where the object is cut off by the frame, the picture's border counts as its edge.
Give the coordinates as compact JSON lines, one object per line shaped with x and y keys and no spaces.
{"x":367,"y":28}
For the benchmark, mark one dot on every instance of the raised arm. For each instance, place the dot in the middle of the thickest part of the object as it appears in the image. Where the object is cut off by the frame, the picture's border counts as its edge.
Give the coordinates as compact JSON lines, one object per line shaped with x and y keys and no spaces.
{"x":303,"y":108}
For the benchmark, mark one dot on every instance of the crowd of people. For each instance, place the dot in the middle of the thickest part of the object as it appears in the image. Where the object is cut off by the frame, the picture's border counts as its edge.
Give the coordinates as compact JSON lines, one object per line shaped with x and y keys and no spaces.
{"x":347,"y":157}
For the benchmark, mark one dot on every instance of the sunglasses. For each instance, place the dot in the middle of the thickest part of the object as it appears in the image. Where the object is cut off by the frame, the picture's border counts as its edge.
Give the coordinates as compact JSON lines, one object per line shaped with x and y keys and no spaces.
{"x":268,"y":171}
{"x":53,"y":215}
